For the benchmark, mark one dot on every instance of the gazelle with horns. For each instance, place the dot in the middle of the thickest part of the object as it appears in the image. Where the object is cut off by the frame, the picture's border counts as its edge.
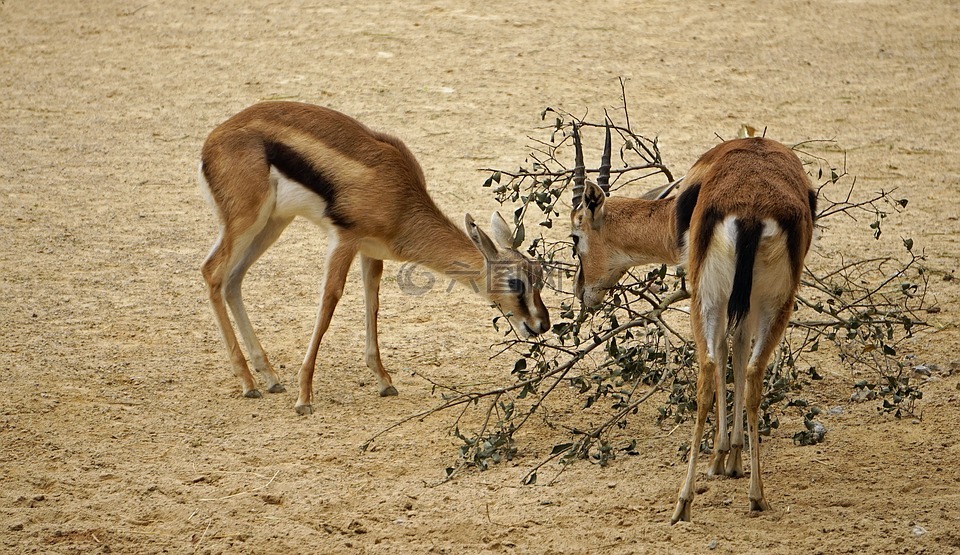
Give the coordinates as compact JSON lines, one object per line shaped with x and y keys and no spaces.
{"x":278,"y":160}
{"x":742,"y":223}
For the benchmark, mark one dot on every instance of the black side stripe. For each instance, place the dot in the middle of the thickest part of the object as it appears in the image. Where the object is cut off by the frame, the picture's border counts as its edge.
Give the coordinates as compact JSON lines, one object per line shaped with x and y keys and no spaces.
{"x":794,"y":246}
{"x":686,"y":202}
{"x":708,"y":225}
{"x":812,"y":200}
{"x":295,"y":167}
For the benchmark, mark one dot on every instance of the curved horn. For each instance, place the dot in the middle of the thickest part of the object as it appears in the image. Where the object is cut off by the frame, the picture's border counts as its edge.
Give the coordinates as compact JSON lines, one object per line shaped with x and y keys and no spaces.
{"x":603,"y":180}
{"x":579,"y":170}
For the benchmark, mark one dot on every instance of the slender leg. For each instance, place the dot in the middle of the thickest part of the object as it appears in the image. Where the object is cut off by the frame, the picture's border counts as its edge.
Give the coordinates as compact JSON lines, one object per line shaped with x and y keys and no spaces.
{"x":372,"y":269}
{"x":213,"y":269}
{"x":721,"y":439}
{"x":243,"y":220}
{"x":339,"y":256}
{"x":234,"y":297}
{"x":741,"y":353}
{"x":705,"y":395}
{"x":223,"y":271}
{"x":707,"y":326}
{"x":769,"y":332}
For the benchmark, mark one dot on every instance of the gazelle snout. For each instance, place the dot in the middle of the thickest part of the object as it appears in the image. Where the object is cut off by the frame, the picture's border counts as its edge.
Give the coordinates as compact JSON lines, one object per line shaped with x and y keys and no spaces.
{"x":531,"y":318}
{"x":541,"y":319}
{"x":538,"y":327}
{"x":589,"y":296}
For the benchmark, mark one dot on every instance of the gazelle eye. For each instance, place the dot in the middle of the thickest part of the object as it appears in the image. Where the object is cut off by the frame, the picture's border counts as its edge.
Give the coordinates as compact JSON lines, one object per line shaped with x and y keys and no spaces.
{"x":515,"y":285}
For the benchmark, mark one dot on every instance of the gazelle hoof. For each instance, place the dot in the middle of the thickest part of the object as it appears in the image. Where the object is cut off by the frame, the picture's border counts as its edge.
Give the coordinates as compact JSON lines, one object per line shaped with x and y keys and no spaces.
{"x":389,"y":391}
{"x":253,"y":394}
{"x":759,"y":505}
{"x":682,"y":511}
{"x":717,"y":465}
{"x":304,"y":410}
{"x":734,"y":471}
{"x":277,"y":388}
{"x":734,"y":467}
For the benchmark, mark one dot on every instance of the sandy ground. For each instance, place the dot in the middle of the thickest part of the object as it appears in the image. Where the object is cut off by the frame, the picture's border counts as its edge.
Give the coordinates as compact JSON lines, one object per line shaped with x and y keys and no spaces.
{"x":121,"y":426}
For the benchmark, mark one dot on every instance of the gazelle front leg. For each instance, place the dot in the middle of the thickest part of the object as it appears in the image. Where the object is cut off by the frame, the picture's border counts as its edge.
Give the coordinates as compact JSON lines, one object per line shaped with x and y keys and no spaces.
{"x":372,"y":270}
{"x":741,"y":354}
{"x":721,"y":438}
{"x":339,"y":257}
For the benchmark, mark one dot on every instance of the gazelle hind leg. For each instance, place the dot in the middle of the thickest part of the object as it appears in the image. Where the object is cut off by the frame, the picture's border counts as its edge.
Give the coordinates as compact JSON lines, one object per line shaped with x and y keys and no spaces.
{"x":705,"y":396}
{"x":241,"y":222}
{"x":741,"y":353}
{"x":232,"y":290}
{"x":214,"y":270}
{"x":710,"y":330}
{"x":372,"y":270}
{"x":707,"y":328}
{"x":769,"y":332}
{"x":339,"y":256}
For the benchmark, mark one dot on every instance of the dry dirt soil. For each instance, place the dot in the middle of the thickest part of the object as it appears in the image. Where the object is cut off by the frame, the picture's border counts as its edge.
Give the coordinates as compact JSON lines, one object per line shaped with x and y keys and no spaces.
{"x":122,"y":429}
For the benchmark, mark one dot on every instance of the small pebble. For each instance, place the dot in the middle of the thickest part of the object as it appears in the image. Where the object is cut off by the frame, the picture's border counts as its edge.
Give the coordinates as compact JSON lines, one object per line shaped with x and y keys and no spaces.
{"x":919,"y":530}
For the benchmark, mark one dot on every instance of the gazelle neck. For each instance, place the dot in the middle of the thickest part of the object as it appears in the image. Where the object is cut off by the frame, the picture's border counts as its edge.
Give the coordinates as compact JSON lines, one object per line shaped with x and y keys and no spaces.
{"x":434,"y":241}
{"x":642,"y":231}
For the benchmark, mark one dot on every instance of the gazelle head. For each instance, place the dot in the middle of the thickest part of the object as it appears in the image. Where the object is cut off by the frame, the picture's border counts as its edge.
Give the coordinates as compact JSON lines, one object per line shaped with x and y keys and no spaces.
{"x":597,"y":268}
{"x":513,"y":281}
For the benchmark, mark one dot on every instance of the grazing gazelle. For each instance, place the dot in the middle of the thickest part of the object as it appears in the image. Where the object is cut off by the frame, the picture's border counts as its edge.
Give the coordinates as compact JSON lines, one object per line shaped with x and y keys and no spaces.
{"x":278,"y":160}
{"x":742,"y":224}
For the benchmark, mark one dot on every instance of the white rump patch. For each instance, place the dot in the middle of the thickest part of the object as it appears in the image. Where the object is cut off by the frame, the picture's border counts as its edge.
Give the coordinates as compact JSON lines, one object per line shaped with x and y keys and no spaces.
{"x":772,"y":274}
{"x":718,"y":267}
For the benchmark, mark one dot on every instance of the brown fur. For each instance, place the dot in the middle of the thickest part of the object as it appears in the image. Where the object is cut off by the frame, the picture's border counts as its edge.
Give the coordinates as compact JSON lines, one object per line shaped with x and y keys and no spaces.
{"x":373,"y":197}
{"x":755,"y":181}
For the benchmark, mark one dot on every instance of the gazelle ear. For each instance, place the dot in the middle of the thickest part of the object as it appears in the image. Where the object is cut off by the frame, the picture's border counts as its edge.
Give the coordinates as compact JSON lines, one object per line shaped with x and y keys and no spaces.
{"x":501,"y":231}
{"x":658,"y":192}
{"x":662,"y":191}
{"x":480,"y":239}
{"x":593,"y":201}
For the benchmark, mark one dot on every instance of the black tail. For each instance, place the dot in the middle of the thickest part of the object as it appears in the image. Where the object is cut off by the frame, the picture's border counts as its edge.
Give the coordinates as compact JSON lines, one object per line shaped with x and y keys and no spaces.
{"x":748,"y":241}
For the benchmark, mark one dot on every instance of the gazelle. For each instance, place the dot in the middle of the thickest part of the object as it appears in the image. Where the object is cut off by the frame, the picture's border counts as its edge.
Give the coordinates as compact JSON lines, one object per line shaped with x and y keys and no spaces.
{"x":742,"y":224}
{"x":277,"y":160}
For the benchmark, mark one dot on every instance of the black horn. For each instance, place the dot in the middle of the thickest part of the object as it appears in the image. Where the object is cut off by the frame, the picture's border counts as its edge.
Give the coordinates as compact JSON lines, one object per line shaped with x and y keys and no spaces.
{"x":603,"y":180}
{"x":579,"y":170}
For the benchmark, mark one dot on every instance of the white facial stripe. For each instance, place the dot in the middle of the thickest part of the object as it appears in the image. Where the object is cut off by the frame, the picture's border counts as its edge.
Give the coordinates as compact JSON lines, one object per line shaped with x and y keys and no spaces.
{"x":581,"y":242}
